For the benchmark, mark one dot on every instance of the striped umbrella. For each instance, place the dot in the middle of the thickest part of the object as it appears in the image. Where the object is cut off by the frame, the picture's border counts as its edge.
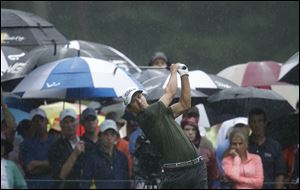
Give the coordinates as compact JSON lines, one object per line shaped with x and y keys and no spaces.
{"x":76,"y":78}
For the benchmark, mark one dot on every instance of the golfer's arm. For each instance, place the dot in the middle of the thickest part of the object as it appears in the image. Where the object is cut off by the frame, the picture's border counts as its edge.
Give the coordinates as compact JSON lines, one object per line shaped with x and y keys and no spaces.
{"x":185,"y":97}
{"x":170,"y":89}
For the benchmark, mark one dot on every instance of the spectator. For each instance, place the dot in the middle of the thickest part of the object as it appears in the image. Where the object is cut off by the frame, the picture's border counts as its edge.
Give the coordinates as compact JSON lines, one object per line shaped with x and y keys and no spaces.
{"x":190,"y":127}
{"x":8,"y":122}
{"x":65,"y":154}
{"x":34,"y":152}
{"x":240,"y":166}
{"x":24,"y":129}
{"x":106,"y":167}
{"x":159,"y":59}
{"x":268,"y":149}
{"x":239,"y":123}
{"x":89,"y":120}
{"x":11,"y":177}
{"x":121,"y":144}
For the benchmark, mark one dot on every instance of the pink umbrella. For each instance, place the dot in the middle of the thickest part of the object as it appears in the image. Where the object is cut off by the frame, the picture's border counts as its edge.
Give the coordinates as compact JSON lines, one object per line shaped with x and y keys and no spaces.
{"x":256,"y":74}
{"x":262,"y":74}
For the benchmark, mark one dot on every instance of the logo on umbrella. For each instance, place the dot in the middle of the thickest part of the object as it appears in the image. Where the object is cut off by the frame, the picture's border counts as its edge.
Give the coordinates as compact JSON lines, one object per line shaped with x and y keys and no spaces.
{"x":52,"y":85}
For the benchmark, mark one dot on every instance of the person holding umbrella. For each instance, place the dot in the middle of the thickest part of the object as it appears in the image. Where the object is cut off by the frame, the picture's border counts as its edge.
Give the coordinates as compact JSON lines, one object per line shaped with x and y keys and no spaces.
{"x":183,"y":168}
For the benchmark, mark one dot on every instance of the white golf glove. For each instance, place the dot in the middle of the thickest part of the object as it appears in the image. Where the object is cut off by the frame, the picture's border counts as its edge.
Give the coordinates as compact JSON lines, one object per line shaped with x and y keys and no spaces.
{"x":183,"y":69}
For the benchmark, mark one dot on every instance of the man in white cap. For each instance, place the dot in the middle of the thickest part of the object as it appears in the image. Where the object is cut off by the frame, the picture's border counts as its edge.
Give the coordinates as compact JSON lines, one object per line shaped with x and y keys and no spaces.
{"x":106,"y":162}
{"x":65,"y":154}
{"x":183,"y":167}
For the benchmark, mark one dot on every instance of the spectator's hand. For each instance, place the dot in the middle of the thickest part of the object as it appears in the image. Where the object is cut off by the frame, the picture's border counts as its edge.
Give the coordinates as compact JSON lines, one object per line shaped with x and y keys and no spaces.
{"x":233,"y":152}
{"x":31,"y":166}
{"x":182,"y":69}
{"x":79,"y":148}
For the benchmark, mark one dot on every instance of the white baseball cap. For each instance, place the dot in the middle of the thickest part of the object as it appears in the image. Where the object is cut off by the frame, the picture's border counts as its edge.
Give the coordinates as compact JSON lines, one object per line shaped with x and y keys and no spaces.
{"x":37,"y":111}
{"x":67,"y":112}
{"x":108,"y":124}
{"x":127,"y":97}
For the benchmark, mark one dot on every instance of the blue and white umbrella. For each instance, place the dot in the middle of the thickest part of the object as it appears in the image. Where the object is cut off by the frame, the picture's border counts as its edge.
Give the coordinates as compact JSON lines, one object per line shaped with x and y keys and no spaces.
{"x":76,"y":78}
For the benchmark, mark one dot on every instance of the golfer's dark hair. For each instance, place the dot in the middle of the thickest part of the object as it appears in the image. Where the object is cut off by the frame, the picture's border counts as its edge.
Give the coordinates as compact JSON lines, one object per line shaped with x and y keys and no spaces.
{"x":257,"y":111}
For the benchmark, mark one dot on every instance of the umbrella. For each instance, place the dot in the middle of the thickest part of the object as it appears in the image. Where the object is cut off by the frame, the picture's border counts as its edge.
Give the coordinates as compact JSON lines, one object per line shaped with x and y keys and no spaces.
{"x":46,"y":54}
{"x":262,"y":74}
{"x":239,"y":101}
{"x":155,"y":89}
{"x":53,"y":110}
{"x":283,"y":130}
{"x":206,"y":83}
{"x":290,"y":70}
{"x":10,"y":56}
{"x":101,"y":51}
{"x":19,"y":115}
{"x":76,"y":78}
{"x":19,"y":28}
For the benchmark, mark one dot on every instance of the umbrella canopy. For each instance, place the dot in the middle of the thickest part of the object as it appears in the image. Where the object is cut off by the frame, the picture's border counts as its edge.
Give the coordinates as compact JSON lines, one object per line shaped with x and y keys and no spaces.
{"x":101,"y":51}
{"x":155,"y":89}
{"x":262,"y":74}
{"x":53,"y":110}
{"x":290,"y":70}
{"x":284,"y":130}
{"x":239,"y":101}
{"x":46,"y":54}
{"x":19,"y":115}
{"x":19,"y":28}
{"x":206,"y":83}
{"x":76,"y":78}
{"x":10,"y":56}
{"x":256,"y":74}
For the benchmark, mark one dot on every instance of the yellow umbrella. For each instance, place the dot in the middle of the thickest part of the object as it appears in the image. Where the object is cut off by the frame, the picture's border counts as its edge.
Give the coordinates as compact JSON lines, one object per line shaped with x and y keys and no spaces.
{"x":53,"y":110}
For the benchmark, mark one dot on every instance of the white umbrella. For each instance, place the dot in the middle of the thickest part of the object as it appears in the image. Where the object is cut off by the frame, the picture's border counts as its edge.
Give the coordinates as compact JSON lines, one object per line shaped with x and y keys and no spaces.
{"x":289,"y":71}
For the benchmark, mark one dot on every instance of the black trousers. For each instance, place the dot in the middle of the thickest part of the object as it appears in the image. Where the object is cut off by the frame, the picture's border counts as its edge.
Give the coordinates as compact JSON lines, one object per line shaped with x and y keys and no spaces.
{"x":191,"y":177}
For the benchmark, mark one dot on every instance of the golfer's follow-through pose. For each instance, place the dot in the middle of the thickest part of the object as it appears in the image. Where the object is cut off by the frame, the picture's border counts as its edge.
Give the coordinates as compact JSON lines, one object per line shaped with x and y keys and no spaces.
{"x":183,"y":167}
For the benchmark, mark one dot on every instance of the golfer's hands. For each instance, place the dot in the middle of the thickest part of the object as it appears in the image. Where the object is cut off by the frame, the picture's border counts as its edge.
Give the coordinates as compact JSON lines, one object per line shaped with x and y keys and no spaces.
{"x":182,"y":69}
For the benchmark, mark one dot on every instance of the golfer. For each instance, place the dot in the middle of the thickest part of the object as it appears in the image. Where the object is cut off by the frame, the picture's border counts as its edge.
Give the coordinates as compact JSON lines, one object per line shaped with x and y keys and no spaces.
{"x":183,"y":167}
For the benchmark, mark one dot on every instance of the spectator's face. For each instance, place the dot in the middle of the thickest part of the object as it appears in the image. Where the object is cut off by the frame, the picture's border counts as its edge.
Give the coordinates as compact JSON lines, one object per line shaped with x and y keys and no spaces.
{"x":159,"y":62}
{"x":68,"y":126}
{"x":108,"y":138}
{"x":257,"y":124}
{"x":239,"y":145}
{"x":190,"y":132}
{"x":91,"y":124}
{"x":39,"y":124}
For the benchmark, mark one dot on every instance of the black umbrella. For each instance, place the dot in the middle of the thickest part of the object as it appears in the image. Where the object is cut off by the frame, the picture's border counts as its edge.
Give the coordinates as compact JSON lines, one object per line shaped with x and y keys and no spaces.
{"x":239,"y":101}
{"x":19,"y":28}
{"x":285,"y":130}
{"x":289,"y":71}
{"x":10,"y":55}
{"x":46,"y":54}
{"x":155,"y":90}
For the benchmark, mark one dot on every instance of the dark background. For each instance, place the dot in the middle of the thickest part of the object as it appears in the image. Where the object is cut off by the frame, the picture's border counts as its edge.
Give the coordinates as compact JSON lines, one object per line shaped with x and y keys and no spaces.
{"x":205,"y":35}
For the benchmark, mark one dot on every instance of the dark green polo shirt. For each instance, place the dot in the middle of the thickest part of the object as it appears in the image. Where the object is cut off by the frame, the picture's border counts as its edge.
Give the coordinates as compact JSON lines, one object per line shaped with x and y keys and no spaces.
{"x":165,"y":134}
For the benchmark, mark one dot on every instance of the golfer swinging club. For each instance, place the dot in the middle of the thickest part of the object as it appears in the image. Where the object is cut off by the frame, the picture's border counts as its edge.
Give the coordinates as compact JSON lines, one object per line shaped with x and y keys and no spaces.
{"x":183,"y":167}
